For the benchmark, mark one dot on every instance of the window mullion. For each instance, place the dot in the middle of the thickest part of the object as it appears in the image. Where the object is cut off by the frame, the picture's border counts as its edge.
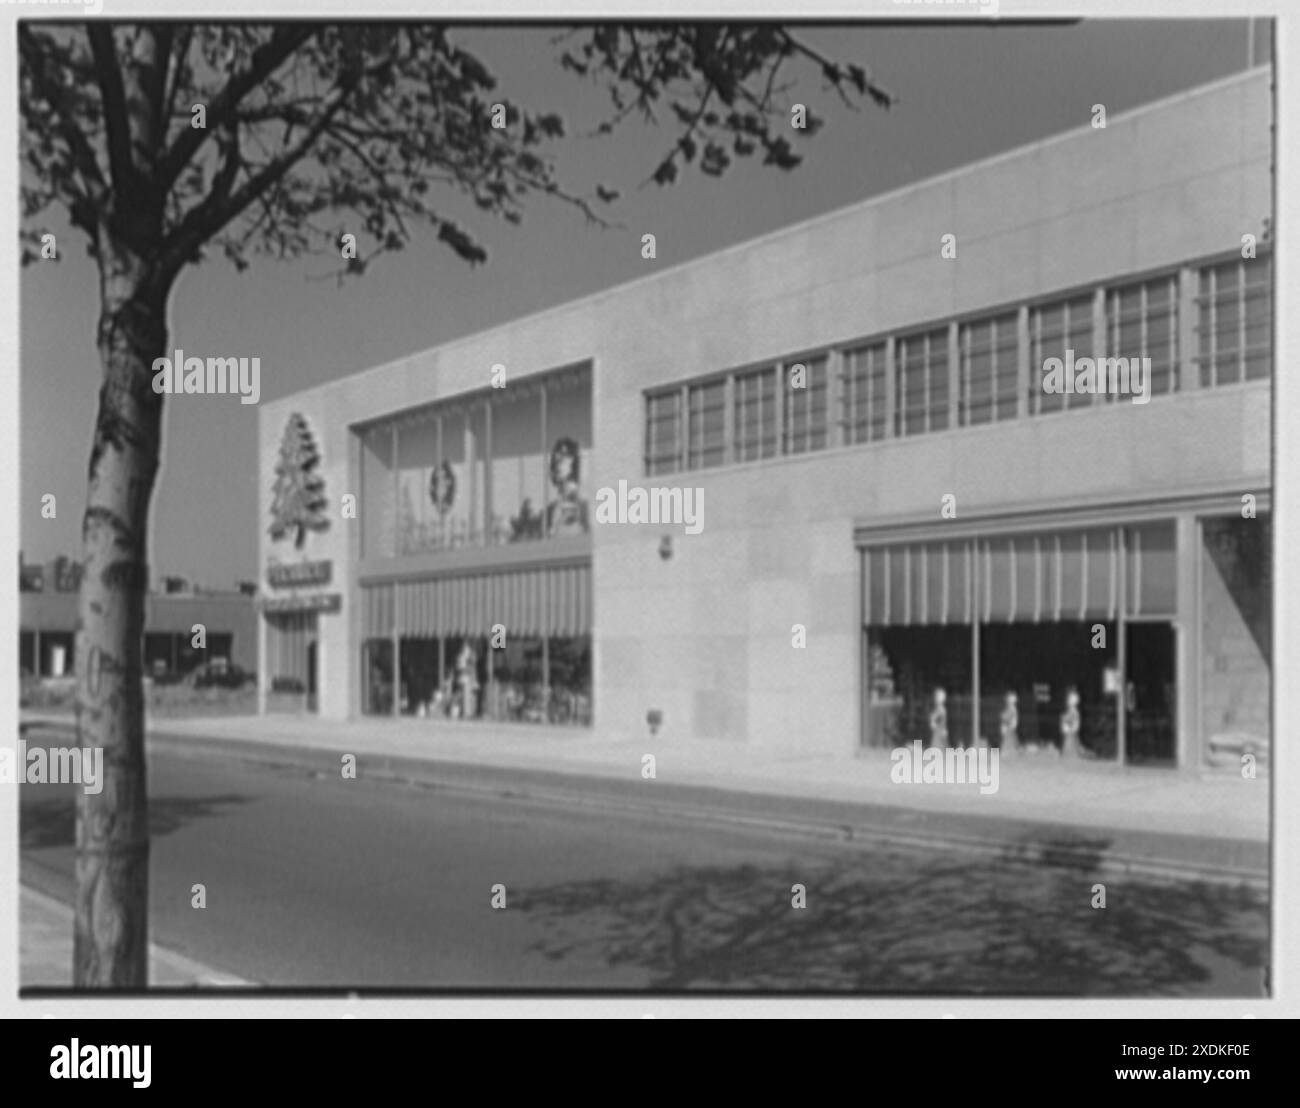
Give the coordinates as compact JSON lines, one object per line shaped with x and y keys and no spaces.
{"x":1214,"y":326}
{"x":1241,"y":321}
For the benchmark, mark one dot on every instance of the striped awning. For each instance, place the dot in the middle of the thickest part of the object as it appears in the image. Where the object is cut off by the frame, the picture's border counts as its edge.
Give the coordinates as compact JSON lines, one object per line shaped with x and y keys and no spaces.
{"x":376,"y":610}
{"x":550,"y":601}
{"x":1054,"y":576}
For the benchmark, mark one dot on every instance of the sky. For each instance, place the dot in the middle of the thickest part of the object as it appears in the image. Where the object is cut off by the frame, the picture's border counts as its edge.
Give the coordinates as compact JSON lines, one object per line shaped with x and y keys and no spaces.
{"x":964,"y":92}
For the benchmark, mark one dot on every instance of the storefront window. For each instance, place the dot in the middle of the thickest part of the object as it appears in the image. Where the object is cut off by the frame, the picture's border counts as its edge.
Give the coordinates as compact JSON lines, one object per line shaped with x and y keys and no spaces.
{"x":518,"y":691}
{"x":567,"y":459}
{"x":518,"y":469}
{"x":1043,"y":613}
{"x":377,"y":677}
{"x":1040,"y":665}
{"x":910,"y":670}
{"x":426,"y":690}
{"x":510,"y":465}
{"x":569,"y":670}
{"x":378,"y":506}
{"x":446,"y":666}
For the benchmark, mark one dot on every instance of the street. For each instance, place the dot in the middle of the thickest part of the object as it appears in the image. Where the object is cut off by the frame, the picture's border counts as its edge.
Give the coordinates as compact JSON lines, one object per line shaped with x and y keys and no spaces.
{"x":327,"y":882}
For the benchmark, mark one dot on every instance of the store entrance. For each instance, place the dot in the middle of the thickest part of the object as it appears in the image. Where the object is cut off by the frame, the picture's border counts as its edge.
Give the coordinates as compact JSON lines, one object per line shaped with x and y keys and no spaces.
{"x":1149,"y":694}
{"x":311,"y":676}
{"x":291,"y":646}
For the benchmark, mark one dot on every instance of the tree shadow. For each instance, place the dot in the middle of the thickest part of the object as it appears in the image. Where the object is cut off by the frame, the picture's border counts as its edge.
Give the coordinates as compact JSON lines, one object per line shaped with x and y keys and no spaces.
{"x":51,"y":821}
{"x":899,"y":923}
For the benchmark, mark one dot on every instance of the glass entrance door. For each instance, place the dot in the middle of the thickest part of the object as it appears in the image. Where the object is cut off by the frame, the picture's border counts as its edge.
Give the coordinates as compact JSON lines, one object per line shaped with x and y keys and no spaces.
{"x":311,"y":676}
{"x":291,"y":649}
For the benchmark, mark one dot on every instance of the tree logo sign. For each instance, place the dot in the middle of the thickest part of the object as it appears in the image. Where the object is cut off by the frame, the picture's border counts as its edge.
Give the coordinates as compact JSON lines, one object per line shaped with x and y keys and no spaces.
{"x":299,"y":491}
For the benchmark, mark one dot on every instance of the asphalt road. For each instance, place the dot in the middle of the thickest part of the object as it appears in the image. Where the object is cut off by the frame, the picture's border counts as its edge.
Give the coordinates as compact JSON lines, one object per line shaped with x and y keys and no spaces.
{"x":318,"y":881}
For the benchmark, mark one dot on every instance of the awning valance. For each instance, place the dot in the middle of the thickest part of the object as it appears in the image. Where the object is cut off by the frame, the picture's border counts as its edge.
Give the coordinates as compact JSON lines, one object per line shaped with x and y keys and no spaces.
{"x":550,"y":601}
{"x":1052,"y":576}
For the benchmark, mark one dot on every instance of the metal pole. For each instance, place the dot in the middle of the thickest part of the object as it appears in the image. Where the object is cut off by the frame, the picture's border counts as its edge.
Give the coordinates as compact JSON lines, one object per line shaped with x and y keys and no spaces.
{"x":441,"y":517}
{"x":470,"y":475}
{"x":1121,"y":711}
{"x":545,"y":461}
{"x":973,"y":563}
{"x":397,"y":497}
{"x":397,"y":650}
{"x":397,"y":674}
{"x":489,"y":697}
{"x":487,"y":477}
{"x":546,"y":678}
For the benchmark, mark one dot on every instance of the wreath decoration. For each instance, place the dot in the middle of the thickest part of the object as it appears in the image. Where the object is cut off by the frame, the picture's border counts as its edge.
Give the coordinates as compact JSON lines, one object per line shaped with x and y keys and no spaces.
{"x":442,"y":487}
{"x":566,"y":448}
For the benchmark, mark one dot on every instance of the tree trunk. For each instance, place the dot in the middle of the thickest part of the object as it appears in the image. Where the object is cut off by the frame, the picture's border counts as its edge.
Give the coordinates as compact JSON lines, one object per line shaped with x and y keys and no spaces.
{"x":112,"y":912}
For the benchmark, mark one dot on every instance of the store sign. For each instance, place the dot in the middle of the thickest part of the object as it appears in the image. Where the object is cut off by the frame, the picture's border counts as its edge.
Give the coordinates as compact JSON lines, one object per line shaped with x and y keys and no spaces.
{"x":300,"y":573}
{"x":298,"y":503}
{"x":306,"y":602}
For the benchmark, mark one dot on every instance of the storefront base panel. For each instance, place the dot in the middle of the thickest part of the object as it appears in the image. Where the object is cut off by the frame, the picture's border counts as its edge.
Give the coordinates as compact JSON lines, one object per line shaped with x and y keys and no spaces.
{"x":760,"y":693}
{"x":1235,"y":671}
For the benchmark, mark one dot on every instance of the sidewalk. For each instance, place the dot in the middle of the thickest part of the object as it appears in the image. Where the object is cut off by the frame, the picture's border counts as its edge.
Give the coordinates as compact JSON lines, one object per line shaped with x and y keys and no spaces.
{"x":1209,"y":821}
{"x":45,"y":951}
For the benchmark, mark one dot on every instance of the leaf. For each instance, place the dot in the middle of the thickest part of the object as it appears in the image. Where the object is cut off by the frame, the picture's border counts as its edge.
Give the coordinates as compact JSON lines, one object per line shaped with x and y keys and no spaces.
{"x":552,"y":125}
{"x":568,"y":61}
{"x":461,"y":243}
{"x":666,"y":174}
{"x":716,"y":160}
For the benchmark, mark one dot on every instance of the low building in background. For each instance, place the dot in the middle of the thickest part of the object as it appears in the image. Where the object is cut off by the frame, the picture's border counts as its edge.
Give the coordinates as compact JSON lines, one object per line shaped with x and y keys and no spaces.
{"x":47,"y":613}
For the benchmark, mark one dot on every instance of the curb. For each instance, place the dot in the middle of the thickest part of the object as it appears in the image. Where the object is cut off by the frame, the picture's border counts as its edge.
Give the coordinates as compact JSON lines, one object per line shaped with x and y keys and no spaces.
{"x":196,"y":974}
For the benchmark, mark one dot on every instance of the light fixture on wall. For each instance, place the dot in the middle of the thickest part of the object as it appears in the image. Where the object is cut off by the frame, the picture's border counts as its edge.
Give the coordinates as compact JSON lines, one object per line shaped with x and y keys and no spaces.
{"x":666,"y":547}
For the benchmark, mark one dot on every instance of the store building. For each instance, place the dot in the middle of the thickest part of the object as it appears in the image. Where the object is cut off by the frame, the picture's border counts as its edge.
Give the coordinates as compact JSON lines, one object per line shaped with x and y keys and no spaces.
{"x":47,"y":632}
{"x":892,"y":502}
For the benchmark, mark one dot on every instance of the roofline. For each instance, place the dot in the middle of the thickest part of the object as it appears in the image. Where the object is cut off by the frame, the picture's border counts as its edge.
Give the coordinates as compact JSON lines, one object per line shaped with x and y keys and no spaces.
{"x":1241,"y":77}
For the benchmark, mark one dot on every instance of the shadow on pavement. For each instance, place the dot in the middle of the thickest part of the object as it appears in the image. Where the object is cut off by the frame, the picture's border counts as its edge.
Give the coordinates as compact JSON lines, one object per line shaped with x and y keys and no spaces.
{"x":50,"y":821}
{"x":904,"y":924}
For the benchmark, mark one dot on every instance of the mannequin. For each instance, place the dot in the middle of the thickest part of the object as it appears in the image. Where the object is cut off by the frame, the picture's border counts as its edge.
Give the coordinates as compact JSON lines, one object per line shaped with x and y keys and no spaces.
{"x":1010,"y":721}
{"x":939,"y":719}
{"x":1070,"y":724}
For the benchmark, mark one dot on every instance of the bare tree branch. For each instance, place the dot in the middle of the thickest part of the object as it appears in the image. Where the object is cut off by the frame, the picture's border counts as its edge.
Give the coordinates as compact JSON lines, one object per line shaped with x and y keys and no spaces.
{"x":266,"y":59}
{"x":201,"y":223}
{"x":153,"y":58}
{"x":108,"y":75}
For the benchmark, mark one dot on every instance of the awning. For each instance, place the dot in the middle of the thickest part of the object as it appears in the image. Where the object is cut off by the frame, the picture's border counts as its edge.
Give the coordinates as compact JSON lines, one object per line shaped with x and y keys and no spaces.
{"x":376,"y":611}
{"x":1052,"y":576}
{"x":548,"y":601}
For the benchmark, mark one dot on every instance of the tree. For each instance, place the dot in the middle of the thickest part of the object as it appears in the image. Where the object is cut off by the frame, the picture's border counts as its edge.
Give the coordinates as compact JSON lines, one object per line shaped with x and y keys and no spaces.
{"x":299,"y":504}
{"x":164,"y":141}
